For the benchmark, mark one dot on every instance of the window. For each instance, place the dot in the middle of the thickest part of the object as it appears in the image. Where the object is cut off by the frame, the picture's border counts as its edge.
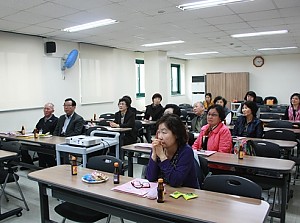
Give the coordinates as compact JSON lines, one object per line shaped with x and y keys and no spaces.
{"x":175,"y":79}
{"x":140,"y":78}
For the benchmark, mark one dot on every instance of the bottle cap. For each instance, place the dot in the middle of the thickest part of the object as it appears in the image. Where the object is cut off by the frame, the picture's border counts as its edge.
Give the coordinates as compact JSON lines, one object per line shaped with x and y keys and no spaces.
{"x":116,"y":164}
{"x":160,"y":180}
{"x":73,"y":158}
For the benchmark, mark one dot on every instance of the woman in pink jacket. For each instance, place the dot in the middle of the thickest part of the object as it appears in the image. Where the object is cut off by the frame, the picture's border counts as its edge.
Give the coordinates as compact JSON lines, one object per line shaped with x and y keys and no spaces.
{"x":214,"y":136}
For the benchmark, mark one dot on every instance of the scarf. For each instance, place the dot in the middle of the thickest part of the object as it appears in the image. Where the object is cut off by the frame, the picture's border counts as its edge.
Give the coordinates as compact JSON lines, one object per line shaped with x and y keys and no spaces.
{"x":294,"y":115}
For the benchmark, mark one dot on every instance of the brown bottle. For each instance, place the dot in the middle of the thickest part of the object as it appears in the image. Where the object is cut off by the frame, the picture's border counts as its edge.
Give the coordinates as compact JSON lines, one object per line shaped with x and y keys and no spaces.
{"x":23,"y":130}
{"x":116,"y":173}
{"x":160,"y":191}
{"x":36,"y":133}
{"x":241,"y":152}
{"x":74,"y":165}
{"x":95,"y":117}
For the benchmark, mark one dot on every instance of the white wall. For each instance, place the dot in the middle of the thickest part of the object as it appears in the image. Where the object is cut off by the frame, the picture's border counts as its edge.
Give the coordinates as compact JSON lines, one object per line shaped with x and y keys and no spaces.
{"x":279,"y":76}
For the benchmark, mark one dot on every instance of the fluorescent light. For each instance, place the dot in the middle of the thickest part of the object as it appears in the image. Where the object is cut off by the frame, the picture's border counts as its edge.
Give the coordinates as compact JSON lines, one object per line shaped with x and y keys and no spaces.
{"x":202,"y":53}
{"x":278,"y":48}
{"x":90,"y":25}
{"x":208,"y":3}
{"x":259,"y":33}
{"x":163,"y":43}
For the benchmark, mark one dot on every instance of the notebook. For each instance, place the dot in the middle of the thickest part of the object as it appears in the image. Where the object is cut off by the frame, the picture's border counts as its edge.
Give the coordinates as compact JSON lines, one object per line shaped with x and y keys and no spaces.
{"x":205,"y":152}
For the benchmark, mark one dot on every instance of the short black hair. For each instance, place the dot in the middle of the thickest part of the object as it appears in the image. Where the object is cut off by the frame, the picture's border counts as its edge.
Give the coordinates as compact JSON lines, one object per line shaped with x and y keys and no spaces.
{"x":253,"y":107}
{"x":157,"y":95}
{"x":295,"y":94}
{"x":176,"y":109}
{"x":208,"y":94}
{"x":129,"y":98}
{"x":250,"y":93}
{"x":125,"y":100}
{"x":219,"y":109}
{"x":176,"y":126}
{"x":220,"y":98}
{"x":70,"y":99}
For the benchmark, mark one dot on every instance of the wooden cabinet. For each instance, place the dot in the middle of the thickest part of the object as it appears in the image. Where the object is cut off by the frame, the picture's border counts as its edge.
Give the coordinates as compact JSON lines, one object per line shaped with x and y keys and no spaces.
{"x":228,"y":85}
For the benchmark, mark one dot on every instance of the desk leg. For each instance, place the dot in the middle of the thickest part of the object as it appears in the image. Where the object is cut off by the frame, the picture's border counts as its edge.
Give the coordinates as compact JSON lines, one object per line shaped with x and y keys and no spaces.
{"x":284,"y":193}
{"x":130,"y":163}
{"x":118,"y":151}
{"x":44,"y":205}
{"x":84,"y":160}
{"x":58,"y":158}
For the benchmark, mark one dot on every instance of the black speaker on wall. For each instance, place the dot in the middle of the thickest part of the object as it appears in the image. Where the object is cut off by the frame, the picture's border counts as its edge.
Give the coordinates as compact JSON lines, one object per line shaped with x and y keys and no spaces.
{"x":50,"y":47}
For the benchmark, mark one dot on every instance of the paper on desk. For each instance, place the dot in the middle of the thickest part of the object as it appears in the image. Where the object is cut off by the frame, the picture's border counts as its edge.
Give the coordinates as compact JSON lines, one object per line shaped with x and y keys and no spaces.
{"x":128,"y":188}
{"x":205,"y":152}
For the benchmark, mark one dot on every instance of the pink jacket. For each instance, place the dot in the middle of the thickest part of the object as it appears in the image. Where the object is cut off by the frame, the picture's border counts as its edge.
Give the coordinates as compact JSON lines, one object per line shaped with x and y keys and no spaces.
{"x":219,"y":139}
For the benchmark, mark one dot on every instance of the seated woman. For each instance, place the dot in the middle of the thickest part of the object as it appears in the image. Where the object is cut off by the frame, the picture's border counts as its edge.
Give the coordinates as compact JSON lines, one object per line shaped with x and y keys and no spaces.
{"x":171,"y":156}
{"x":214,"y":136}
{"x":125,"y":118}
{"x":293,"y":111}
{"x":208,"y":101}
{"x":222,"y":101}
{"x":248,"y":124}
{"x":250,"y":96}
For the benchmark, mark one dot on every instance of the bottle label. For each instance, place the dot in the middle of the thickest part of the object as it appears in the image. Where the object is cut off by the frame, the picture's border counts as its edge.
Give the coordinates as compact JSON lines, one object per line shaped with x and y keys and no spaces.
{"x":160,"y":196}
{"x":116,"y":178}
{"x":74,"y":170}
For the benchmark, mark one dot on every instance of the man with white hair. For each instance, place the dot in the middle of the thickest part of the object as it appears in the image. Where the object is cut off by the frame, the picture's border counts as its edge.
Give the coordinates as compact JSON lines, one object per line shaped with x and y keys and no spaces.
{"x":200,"y":119}
{"x":45,"y":125}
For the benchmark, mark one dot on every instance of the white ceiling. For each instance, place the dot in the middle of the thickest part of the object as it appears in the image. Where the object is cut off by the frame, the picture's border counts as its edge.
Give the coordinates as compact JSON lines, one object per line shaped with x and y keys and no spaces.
{"x":151,"y":21}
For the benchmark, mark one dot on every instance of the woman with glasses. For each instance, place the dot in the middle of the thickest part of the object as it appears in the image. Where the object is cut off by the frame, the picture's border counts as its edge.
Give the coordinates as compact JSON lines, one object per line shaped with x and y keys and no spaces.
{"x":248,"y":125}
{"x":219,"y":100}
{"x":214,"y":136}
{"x":171,"y":157}
{"x":125,"y":118}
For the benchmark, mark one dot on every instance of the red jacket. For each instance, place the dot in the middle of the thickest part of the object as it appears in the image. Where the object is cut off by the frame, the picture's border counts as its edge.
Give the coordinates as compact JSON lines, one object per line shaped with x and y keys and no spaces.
{"x":219,"y":139}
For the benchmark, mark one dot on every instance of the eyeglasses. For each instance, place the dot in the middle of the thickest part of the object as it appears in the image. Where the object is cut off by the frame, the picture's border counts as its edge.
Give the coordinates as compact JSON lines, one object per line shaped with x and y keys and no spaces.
{"x":213,"y":114}
{"x":67,"y":105}
{"x":138,"y":185}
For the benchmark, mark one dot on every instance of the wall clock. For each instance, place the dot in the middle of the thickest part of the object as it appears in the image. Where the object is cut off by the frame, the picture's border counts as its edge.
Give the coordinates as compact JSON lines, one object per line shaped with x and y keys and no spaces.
{"x":258,"y":61}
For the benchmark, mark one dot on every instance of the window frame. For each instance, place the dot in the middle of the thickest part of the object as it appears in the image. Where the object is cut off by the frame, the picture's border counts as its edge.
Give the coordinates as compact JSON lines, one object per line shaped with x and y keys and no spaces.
{"x":139,"y":94}
{"x":178,"y":76}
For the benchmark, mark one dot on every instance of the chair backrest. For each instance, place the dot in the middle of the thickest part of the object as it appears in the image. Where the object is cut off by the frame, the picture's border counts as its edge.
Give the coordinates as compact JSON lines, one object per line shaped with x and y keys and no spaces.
{"x":270,"y":116}
{"x":183,"y":116}
{"x":107,"y":116}
{"x":138,"y":125}
{"x":185,"y":106}
{"x":280,"y":124}
{"x":89,"y":131}
{"x":264,"y":108}
{"x":281,"y":134}
{"x":12,"y":146}
{"x":104,"y":163}
{"x":266,"y":149}
{"x":259,"y":100}
{"x":230,"y":184}
{"x":103,"y":122}
{"x":270,"y":100}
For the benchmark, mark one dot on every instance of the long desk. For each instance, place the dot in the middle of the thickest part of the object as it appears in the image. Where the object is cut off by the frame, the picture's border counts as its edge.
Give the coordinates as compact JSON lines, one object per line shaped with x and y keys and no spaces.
{"x":46,"y":145}
{"x":208,"y":207}
{"x":253,"y":164}
{"x":6,"y":155}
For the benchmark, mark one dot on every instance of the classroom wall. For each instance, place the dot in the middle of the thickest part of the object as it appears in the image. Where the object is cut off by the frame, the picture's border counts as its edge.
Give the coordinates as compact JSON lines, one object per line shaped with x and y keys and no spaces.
{"x":279,"y":76}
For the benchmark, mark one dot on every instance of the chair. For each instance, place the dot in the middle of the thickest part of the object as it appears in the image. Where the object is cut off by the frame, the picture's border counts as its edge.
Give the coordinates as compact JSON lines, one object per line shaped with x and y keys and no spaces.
{"x":8,"y":171}
{"x":270,"y":116}
{"x":266,"y":149}
{"x":183,"y":115}
{"x":78,"y":213}
{"x":202,"y":170}
{"x":230,"y":184}
{"x":185,"y":106}
{"x":140,"y":130}
{"x":270,"y":100}
{"x":107,"y":116}
{"x":264,"y":108}
{"x":280,"y":124}
{"x":259,"y":100}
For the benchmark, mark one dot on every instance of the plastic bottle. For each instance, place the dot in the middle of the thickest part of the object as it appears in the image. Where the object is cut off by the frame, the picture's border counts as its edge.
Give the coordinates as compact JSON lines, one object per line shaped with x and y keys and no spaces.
{"x":160,"y":191}
{"x":74,"y":169}
{"x":116,"y":173}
